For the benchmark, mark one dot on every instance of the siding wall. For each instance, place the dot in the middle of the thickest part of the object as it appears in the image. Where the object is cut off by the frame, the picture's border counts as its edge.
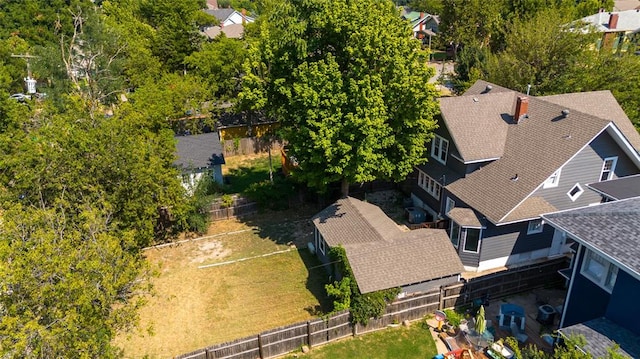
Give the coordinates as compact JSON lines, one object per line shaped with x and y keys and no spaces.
{"x":623,"y":307}
{"x":578,"y":309}
{"x":585,"y":168}
{"x":498,"y":242}
{"x":430,"y":285}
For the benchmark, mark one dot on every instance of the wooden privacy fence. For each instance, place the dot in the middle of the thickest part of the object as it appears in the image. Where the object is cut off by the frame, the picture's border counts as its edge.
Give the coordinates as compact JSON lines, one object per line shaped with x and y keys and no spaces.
{"x":320,"y":331}
{"x":240,"y":206}
{"x":250,"y":145}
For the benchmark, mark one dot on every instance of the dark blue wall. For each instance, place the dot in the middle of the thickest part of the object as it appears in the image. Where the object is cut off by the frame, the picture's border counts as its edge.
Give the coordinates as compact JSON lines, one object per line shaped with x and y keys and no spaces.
{"x":624,"y":306}
{"x":586,"y":300}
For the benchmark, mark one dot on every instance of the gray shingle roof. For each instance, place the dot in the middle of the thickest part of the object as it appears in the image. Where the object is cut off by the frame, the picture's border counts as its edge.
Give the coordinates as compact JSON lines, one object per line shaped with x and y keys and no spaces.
{"x":612,"y":229}
{"x":619,"y":188}
{"x":530,"y":151}
{"x":380,"y":254}
{"x":220,"y":14}
{"x":198,"y":151}
{"x":601,"y":334}
{"x":628,"y":20}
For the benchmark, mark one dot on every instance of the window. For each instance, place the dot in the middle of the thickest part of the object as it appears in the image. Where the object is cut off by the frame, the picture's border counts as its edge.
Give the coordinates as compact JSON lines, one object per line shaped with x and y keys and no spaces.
{"x":455,"y":234}
{"x":608,"y":166}
{"x":599,"y":270}
{"x":553,"y":180}
{"x":321,"y":244}
{"x":535,"y":226}
{"x":429,"y":184}
{"x":439,"y":149}
{"x":575,"y":192}
{"x":449,"y":205}
{"x":472,"y":240}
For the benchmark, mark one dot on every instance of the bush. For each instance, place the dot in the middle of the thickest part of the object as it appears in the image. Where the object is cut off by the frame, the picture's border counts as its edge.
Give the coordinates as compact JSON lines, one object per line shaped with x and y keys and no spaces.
{"x":454,"y":317}
{"x":271,"y":195}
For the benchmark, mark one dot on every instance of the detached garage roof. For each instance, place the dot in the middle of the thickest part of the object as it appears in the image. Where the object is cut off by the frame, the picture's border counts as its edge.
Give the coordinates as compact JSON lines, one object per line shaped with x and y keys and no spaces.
{"x":381,"y":255}
{"x":198,"y":151}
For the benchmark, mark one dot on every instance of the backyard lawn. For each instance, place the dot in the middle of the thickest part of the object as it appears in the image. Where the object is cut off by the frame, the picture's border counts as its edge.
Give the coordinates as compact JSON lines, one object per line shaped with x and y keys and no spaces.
{"x":196,"y":307}
{"x":414,"y":341}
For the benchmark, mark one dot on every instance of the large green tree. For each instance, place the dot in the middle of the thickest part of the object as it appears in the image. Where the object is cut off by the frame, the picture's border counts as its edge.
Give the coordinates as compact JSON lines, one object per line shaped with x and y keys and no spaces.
{"x":68,"y":283}
{"x":349,"y":86}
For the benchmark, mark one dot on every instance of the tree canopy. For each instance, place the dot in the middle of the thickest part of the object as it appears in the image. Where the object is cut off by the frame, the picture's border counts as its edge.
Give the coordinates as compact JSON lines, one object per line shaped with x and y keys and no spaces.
{"x":349,"y":86}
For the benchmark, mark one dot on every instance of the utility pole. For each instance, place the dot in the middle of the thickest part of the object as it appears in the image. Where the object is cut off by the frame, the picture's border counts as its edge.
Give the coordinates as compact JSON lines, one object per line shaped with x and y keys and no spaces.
{"x":30,"y":81}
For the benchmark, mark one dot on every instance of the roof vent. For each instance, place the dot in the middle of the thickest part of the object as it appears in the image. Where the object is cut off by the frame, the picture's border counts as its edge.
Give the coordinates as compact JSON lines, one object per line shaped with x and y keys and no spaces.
{"x":515,"y":177}
{"x":475,"y":99}
{"x":488,"y":88}
{"x":565,"y":113}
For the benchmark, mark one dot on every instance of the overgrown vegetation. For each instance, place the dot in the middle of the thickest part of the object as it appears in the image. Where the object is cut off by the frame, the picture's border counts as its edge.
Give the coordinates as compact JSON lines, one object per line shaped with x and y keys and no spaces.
{"x":347,"y":295}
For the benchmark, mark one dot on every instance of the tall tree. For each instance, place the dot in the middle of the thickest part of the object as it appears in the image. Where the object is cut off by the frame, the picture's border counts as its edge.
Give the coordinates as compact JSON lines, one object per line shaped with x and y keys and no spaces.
{"x":349,"y":86}
{"x":68,"y":286}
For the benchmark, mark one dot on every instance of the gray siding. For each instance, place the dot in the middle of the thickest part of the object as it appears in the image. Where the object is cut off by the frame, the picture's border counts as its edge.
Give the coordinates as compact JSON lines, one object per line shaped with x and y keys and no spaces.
{"x":585,"y":168}
{"x":503,"y":241}
{"x":429,"y":285}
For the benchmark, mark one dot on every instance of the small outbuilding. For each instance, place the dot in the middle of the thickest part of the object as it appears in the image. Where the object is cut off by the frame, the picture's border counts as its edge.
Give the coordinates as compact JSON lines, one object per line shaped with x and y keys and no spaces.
{"x":382,"y":255}
{"x":198,"y":156}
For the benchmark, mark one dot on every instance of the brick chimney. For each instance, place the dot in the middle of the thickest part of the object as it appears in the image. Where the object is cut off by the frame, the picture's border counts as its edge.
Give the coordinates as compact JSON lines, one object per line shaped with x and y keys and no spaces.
{"x":613,"y":21}
{"x":522,"y":105}
{"x":421,"y":22}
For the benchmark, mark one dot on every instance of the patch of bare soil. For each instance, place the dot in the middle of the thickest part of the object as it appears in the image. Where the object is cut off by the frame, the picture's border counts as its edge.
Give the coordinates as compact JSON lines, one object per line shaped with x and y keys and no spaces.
{"x":391,"y":204}
{"x":208,"y":250}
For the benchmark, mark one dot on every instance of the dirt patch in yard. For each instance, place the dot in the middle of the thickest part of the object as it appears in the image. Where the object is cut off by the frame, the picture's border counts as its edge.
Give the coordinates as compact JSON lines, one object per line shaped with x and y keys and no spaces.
{"x":210,"y":250}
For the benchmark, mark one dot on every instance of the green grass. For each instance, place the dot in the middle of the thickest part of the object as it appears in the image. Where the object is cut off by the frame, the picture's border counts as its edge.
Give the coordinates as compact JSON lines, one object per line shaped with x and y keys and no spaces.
{"x":242,"y":172}
{"x":392,"y":343}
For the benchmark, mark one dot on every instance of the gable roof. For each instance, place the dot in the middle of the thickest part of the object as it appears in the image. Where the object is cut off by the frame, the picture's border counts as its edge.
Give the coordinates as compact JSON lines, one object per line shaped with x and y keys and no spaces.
{"x":628,"y":20}
{"x":481,"y":127}
{"x":198,"y":151}
{"x":611,"y":229}
{"x":619,"y":188}
{"x":380,"y":254}
{"x":233,"y":31}
{"x":220,"y":14}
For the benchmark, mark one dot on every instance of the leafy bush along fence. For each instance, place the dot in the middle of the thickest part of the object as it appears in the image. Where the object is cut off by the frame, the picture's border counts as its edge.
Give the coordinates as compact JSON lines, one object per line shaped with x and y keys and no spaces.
{"x":231,"y":207}
{"x":316,"y":332}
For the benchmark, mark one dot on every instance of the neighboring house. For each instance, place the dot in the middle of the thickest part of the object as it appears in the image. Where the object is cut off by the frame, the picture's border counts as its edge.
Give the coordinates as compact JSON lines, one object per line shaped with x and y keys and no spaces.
{"x":381,"y":255}
{"x":198,"y":156}
{"x":619,"y":29}
{"x":500,"y":159}
{"x":602,"y":300}
{"x":622,"y":5}
{"x":231,"y":23}
{"x":424,"y":25}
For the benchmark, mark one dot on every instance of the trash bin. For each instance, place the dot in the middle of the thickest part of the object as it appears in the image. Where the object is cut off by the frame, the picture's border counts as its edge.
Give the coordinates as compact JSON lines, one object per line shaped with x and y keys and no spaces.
{"x":546,"y":314}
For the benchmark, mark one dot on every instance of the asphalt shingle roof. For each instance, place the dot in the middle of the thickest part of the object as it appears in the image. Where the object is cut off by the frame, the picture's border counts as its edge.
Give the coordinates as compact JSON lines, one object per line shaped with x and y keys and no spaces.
{"x":612,"y":228}
{"x":381,"y":255}
{"x":601,"y":334}
{"x":199,"y":151}
{"x":619,"y":188}
{"x":482,"y":127}
{"x":465,"y":217}
{"x":220,"y":14}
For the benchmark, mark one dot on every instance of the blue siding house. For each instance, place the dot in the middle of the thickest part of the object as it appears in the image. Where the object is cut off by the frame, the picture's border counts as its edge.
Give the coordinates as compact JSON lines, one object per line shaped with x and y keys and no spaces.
{"x":500,"y":159}
{"x":602,"y":301}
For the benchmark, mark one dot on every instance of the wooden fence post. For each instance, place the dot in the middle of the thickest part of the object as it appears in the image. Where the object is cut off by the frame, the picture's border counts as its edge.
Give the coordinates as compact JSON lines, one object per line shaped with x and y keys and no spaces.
{"x":355,"y":328}
{"x":309,"y":334}
{"x":211,"y":354}
{"x":260,"y":346}
{"x":442,"y":293}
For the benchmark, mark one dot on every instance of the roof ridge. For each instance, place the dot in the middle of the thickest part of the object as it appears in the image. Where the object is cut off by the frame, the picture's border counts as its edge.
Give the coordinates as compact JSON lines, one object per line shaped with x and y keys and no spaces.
{"x":363,"y":217}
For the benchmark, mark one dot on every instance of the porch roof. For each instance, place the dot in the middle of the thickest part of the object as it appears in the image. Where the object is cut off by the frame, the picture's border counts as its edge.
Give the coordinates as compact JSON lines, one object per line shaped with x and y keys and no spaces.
{"x":601,"y":334}
{"x":465,"y":217}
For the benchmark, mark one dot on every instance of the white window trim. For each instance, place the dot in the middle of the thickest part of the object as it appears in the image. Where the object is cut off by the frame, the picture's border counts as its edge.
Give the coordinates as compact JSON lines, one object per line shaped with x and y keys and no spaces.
{"x":453,"y":223}
{"x":553,"y":180}
{"x":449,"y":205}
{"x":443,"y":154}
{"x":431,"y":186}
{"x":614,"y":159}
{"x":536,"y":229}
{"x":577,"y":195}
{"x":465,"y":239}
{"x":609,"y":268}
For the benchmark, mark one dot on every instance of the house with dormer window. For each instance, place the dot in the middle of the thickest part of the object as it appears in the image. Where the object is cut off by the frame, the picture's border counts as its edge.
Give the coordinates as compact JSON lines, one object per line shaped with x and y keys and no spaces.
{"x":500,"y":159}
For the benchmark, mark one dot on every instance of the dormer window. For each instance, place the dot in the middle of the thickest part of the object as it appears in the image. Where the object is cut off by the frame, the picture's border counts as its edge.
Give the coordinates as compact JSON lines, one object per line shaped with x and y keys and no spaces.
{"x":439,"y":149}
{"x":608,"y":166}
